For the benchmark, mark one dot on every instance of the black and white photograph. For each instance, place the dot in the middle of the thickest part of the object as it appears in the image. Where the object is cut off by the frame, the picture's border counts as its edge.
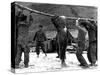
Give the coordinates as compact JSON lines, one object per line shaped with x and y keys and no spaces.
{"x":48,"y":37}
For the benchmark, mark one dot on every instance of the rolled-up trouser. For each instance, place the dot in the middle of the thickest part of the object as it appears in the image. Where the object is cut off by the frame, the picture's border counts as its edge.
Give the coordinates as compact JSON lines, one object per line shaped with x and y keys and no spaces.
{"x":92,"y":53}
{"x":38,"y":45}
{"x":79,"y":54}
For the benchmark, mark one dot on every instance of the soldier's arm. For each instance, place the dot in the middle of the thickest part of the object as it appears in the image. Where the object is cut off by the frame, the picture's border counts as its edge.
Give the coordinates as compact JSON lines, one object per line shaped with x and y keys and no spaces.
{"x":54,"y":21}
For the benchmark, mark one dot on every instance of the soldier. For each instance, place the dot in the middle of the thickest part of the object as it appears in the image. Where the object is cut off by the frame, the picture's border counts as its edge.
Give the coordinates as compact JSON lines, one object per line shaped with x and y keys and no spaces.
{"x":40,"y":38}
{"x":92,"y":51}
{"x":62,"y":37}
{"x":81,"y":47}
{"x":22,"y":40}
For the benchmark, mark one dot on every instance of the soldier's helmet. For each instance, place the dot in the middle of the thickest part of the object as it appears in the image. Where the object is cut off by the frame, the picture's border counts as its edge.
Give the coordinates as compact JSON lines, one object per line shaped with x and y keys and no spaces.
{"x":63,"y":17}
{"x":58,"y":20}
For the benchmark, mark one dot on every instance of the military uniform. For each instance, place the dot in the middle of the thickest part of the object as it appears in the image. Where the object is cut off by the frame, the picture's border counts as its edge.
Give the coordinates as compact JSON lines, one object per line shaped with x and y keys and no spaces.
{"x":22,"y":40}
{"x":62,"y":37}
{"x":40,"y":38}
{"x":92,"y":32}
{"x":81,"y":47}
{"x":92,"y":51}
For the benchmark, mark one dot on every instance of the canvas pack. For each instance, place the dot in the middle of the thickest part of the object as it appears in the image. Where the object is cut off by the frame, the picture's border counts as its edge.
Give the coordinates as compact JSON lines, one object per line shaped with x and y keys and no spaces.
{"x":53,"y":37}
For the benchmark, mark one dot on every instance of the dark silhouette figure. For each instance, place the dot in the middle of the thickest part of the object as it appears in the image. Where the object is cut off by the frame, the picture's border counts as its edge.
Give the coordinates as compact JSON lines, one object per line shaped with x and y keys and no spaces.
{"x":62,"y":37}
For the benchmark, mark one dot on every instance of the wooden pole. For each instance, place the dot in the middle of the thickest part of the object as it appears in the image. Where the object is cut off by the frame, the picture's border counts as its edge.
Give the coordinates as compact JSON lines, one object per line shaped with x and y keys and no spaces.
{"x":35,"y":11}
{"x":50,"y":15}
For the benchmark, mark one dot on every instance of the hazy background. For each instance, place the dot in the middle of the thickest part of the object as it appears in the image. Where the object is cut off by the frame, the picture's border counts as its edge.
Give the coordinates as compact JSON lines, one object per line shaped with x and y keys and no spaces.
{"x":66,"y":10}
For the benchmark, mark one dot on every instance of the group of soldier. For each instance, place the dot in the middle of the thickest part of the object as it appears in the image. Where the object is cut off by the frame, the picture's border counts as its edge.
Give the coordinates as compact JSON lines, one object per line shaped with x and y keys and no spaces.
{"x":22,"y":40}
{"x":90,"y":26}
